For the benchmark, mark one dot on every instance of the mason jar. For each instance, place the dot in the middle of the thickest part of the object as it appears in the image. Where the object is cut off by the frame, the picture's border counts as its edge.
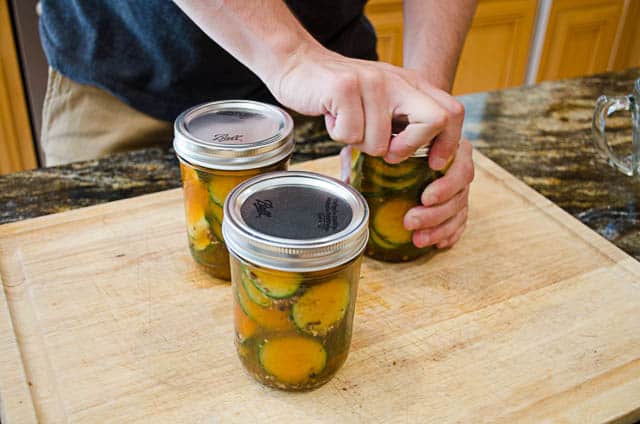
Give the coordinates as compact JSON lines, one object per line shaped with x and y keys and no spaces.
{"x":219,"y":145}
{"x":390,"y":191}
{"x":296,"y":241}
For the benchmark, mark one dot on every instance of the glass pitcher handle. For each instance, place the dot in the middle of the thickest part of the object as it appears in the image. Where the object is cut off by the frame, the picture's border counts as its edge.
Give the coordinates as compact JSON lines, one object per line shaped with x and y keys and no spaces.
{"x":605,"y":107}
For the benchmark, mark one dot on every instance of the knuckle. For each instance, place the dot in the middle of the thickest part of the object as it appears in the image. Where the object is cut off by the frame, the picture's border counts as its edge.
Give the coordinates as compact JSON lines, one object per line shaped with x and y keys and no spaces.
{"x":464,"y":213}
{"x":346,"y":84}
{"x":457,"y":109}
{"x":440,"y":120}
{"x":377,"y":150}
{"x":470,"y":173}
{"x":372,"y":77}
{"x":350,"y":137}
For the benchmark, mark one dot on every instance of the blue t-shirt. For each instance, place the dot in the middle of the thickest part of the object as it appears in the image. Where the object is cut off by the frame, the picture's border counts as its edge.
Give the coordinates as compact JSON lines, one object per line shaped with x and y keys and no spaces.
{"x":152,"y":56}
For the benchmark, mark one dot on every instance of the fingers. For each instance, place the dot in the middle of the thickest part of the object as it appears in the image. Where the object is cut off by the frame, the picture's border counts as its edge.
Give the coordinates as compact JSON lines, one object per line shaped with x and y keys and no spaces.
{"x":442,"y":233}
{"x":409,"y":140}
{"x":426,"y":120}
{"x":428,"y":217}
{"x":458,"y":176}
{"x":445,"y":144}
{"x":453,"y":239}
{"x":377,"y":124}
{"x":362,"y":116}
{"x":344,"y":114}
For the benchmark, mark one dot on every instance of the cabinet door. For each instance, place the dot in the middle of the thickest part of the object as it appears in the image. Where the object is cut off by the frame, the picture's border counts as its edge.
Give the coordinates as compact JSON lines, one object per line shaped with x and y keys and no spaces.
{"x":16,"y":143}
{"x":386,"y":17}
{"x":628,"y":53}
{"x":496,"y":50}
{"x":580,"y":38}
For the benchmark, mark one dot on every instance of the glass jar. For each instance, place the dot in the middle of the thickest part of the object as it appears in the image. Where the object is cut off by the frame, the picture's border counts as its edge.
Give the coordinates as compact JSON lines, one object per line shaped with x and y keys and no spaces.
{"x":219,"y":145}
{"x":296,"y":241}
{"x":391,"y":190}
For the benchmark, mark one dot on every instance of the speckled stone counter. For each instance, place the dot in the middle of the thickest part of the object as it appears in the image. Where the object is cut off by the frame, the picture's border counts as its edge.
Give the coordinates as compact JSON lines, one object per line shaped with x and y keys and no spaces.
{"x":541,"y":134}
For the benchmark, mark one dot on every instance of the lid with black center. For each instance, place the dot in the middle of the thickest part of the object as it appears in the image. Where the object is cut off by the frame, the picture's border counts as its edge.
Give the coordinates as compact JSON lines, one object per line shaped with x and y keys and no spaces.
{"x":233,"y":135}
{"x":295,"y":221}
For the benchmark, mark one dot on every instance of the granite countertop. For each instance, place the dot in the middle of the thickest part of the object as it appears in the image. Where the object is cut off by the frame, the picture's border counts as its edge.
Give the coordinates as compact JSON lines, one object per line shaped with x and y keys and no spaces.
{"x":541,"y":134}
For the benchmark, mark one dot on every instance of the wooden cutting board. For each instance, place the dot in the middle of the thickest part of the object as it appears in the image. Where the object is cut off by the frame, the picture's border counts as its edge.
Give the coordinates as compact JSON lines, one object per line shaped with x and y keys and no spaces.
{"x":531,"y":317}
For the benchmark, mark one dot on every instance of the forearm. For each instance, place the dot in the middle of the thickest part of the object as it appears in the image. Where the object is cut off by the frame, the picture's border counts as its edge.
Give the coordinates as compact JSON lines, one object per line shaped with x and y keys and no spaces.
{"x":262,"y":34}
{"x":434,"y":33}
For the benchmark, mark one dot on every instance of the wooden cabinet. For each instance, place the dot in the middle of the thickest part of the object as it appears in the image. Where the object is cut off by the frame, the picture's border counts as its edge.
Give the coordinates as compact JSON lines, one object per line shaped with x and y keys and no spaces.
{"x":580,"y":38}
{"x":386,"y":17}
{"x":496,"y":50}
{"x":512,"y":42}
{"x":627,"y":52}
{"x":16,"y":142}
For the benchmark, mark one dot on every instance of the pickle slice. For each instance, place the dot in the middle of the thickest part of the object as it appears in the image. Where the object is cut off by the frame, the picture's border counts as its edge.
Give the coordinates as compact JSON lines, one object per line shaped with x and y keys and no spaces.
{"x":252,"y":291}
{"x":397,"y":170}
{"x":380,"y":242}
{"x":321,"y":307}
{"x":396,"y":183}
{"x":221,"y":185}
{"x":215,"y":211}
{"x":216,"y":229}
{"x":276,"y":284}
{"x":245,"y":326}
{"x":199,"y":233}
{"x":292,"y":359}
{"x":269,"y":318}
{"x":388,"y":221}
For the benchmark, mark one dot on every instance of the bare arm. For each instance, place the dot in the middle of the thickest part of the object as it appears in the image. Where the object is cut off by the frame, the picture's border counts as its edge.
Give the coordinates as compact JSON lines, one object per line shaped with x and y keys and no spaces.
{"x":434,"y":33}
{"x":262,"y":34}
{"x":358,"y":98}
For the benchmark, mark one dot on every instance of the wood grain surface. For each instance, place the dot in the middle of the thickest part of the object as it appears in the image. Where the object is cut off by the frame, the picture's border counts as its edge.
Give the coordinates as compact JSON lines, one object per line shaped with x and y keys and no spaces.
{"x":532,"y":317}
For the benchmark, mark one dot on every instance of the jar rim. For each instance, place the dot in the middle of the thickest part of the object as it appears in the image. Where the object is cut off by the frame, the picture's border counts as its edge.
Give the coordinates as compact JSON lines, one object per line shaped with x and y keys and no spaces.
{"x":264,"y":135}
{"x":300,"y":254}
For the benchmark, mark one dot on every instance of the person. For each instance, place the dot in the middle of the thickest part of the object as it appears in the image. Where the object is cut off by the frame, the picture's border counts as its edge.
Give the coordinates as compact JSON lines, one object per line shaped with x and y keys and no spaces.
{"x":121,"y":71}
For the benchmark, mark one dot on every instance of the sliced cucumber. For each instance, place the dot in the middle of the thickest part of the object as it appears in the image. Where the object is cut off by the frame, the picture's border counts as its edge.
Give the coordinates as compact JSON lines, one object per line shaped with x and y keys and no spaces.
{"x":252,"y":291}
{"x":221,"y":185}
{"x":396,"y":170}
{"x":388,"y":221}
{"x":276,"y":284}
{"x":394,"y":184}
{"x":321,"y":307}
{"x":292,"y":360}
{"x":203,"y":176}
{"x":215,"y":211}
{"x":216,"y":228}
{"x":268,"y":318}
{"x":380,"y":242}
{"x":199,"y":234}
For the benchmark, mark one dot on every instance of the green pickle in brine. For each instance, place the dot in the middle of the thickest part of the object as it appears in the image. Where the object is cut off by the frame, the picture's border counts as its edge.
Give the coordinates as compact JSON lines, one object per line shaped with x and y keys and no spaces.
{"x":390,"y":191}
{"x":296,"y":241}
{"x":293,"y":330}
{"x":204,"y":193}
{"x":220,"y":145}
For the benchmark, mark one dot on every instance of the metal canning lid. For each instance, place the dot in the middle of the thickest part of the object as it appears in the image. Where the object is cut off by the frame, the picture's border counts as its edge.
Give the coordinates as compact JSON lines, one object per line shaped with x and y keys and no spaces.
{"x":295,"y":221}
{"x":233,"y":135}
{"x":422,"y":152}
{"x":397,"y":126}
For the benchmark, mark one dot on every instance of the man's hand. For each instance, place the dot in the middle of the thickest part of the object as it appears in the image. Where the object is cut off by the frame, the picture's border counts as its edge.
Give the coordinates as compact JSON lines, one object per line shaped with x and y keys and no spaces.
{"x":442,"y":217}
{"x":359,"y":100}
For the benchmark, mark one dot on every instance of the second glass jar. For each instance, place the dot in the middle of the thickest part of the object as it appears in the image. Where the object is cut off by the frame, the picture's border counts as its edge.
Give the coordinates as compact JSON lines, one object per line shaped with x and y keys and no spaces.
{"x":296,"y":241}
{"x":391,"y":190}
{"x":220,"y":145}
